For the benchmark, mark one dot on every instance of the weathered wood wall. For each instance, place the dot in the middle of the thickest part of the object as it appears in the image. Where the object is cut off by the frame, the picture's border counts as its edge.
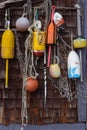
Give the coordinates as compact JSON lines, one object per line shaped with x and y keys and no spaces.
{"x":58,"y":108}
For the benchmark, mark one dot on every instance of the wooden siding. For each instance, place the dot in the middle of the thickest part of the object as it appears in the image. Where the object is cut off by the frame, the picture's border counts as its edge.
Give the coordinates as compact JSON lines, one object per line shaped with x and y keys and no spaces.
{"x":59,"y":110}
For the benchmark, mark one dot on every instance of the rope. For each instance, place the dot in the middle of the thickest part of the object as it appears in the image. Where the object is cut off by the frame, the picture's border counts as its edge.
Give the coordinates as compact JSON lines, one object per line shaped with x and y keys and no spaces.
{"x":33,"y":72}
{"x":47,"y":9}
{"x":29,"y":10}
{"x":24,"y":64}
{"x":24,"y":115}
{"x":64,"y":42}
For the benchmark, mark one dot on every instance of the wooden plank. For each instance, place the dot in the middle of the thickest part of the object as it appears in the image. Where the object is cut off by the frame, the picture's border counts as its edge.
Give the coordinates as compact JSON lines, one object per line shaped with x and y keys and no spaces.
{"x":9,"y":3}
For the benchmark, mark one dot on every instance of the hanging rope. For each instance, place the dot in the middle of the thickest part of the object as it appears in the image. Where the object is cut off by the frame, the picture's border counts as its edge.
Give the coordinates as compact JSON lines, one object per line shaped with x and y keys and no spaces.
{"x":29,"y":11}
{"x":47,"y":9}
{"x":27,"y":69}
{"x":23,"y":72}
{"x":24,"y":64}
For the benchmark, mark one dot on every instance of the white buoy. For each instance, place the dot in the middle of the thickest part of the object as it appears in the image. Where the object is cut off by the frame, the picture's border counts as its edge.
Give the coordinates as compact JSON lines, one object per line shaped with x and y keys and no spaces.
{"x":58,"y":19}
{"x":73,"y":65}
{"x":22,"y":23}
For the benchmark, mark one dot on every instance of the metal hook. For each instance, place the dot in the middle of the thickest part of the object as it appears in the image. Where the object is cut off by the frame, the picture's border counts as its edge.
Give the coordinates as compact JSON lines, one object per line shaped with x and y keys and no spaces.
{"x":24,"y":8}
{"x":7,"y":17}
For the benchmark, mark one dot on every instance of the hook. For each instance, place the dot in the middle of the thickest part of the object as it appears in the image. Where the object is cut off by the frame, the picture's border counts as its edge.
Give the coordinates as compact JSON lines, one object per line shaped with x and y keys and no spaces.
{"x":7,"y":18}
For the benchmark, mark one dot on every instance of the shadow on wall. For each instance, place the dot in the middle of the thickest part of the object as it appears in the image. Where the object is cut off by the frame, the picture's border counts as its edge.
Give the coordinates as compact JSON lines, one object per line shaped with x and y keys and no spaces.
{"x":76,"y":126}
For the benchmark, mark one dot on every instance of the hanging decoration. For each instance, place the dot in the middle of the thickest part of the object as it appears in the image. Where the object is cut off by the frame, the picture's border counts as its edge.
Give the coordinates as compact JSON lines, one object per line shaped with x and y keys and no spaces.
{"x":54,"y":69}
{"x":59,"y":21}
{"x":50,"y":35}
{"x":7,"y":44}
{"x":39,"y":37}
{"x":62,"y":83}
{"x":28,"y":71}
{"x":35,"y":46}
{"x":38,"y":46}
{"x":31,"y":84}
{"x":73,"y":65}
{"x":31,"y":81}
{"x":22,"y":23}
{"x":79,"y":42}
{"x":24,"y":61}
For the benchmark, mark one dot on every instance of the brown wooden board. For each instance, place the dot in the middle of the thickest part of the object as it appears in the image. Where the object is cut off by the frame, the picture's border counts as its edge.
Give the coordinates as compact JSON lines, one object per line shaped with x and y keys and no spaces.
{"x":59,"y":110}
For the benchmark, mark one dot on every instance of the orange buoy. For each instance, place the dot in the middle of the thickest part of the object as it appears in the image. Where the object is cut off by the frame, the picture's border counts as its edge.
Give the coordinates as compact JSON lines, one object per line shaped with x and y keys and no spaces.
{"x":32,"y":84}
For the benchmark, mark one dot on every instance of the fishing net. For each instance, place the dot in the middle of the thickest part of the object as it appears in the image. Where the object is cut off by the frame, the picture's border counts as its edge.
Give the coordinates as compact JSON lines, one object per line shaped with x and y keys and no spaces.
{"x":63,"y":84}
{"x":64,"y":87}
{"x":26,"y":59}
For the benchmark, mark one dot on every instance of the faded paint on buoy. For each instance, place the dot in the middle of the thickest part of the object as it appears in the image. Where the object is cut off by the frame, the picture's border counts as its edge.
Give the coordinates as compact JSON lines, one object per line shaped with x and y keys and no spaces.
{"x":73,"y":65}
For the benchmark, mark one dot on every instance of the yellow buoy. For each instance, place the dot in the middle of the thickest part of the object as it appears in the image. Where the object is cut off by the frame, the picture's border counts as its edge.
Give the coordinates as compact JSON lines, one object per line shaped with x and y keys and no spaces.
{"x":7,"y":49}
{"x":80,"y":42}
{"x":54,"y":70}
{"x":39,"y":42}
{"x":7,"y":45}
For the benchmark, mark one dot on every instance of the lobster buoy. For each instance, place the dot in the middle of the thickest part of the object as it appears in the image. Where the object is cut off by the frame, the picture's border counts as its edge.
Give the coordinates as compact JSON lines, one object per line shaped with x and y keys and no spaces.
{"x":58,"y":19}
{"x":73,"y":65}
{"x":54,"y":70}
{"x":80,"y":42}
{"x":38,"y":46}
{"x":22,"y":24}
{"x":7,"y":46}
{"x":31,"y":84}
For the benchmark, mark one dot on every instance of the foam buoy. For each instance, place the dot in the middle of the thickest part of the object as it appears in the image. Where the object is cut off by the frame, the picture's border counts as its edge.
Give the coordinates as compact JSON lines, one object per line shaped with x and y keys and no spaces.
{"x":22,"y":24}
{"x":73,"y":65}
{"x":54,"y":70}
{"x":31,"y":84}
{"x":58,"y":19}
{"x":80,"y":42}
{"x":7,"y":48}
{"x":39,"y":42}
